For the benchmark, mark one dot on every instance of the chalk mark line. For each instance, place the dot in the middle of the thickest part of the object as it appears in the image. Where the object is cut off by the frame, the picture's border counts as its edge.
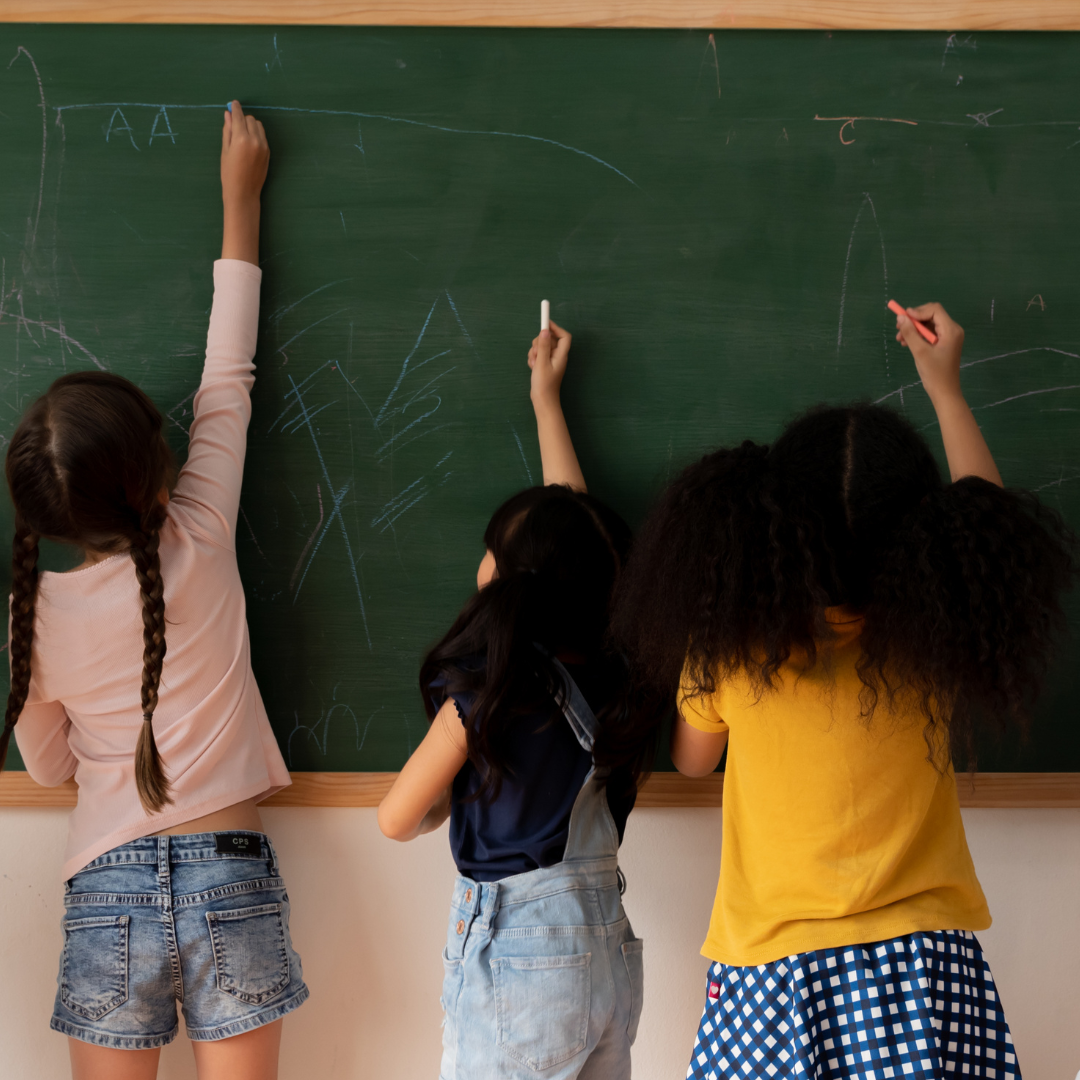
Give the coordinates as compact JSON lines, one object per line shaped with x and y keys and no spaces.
{"x":849,"y":122}
{"x":978,"y":120}
{"x":362,"y":116}
{"x":1028,"y":393}
{"x":711,"y":44}
{"x":311,"y":538}
{"x":521,"y":449}
{"x":338,"y":497}
{"x":281,"y":312}
{"x":405,"y":366}
{"x":312,"y":326}
{"x":847,"y":261}
{"x":21,"y":51}
{"x":983,"y":360}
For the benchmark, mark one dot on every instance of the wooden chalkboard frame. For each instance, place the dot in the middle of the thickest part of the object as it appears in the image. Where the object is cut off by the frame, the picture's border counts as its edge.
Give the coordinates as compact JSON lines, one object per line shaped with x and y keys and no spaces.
{"x":685,"y":14}
{"x":998,"y":790}
{"x":1005,"y":790}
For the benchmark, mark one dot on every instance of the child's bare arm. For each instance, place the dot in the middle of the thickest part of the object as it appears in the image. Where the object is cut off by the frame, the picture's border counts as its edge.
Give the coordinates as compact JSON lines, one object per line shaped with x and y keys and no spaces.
{"x":557,"y":454}
{"x":419,"y":801}
{"x":695,"y":752}
{"x":210,"y":481}
{"x":939,"y":368}
{"x":245,"y":156}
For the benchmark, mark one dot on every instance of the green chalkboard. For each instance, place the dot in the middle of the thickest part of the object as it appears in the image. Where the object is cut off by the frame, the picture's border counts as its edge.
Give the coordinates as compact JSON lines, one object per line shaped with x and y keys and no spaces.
{"x":719,"y":219}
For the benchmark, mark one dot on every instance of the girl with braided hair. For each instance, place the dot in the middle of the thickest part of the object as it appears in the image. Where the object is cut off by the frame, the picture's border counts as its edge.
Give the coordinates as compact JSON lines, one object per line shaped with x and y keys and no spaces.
{"x":140,"y":686}
{"x":845,"y":625}
{"x":543,"y":972}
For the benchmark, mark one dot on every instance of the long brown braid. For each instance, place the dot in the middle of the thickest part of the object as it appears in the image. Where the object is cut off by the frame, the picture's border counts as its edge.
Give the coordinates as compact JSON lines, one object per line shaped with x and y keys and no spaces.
{"x":150,"y":777}
{"x":24,"y":581}
{"x":87,"y":466}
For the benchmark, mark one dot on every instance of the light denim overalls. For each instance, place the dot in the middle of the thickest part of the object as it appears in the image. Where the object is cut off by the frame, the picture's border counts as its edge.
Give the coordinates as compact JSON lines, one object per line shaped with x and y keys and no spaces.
{"x":543,"y":972}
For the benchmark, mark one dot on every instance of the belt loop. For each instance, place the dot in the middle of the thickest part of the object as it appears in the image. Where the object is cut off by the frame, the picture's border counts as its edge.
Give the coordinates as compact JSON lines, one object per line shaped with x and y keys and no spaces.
{"x":489,"y":900}
{"x":164,"y":875}
{"x":272,"y":861}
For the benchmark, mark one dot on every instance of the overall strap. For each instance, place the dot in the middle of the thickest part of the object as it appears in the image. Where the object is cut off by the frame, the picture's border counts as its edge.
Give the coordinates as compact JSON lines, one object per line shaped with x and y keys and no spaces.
{"x":576,"y":709}
{"x":592,"y":834}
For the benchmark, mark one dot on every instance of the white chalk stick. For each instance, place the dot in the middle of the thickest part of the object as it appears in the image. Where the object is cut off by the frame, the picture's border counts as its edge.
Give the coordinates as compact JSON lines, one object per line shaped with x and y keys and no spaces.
{"x":545,"y":315}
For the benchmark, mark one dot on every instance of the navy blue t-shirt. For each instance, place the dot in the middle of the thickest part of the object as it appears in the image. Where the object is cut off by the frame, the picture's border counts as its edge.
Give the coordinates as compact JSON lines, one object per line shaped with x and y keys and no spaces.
{"x":526,"y":827}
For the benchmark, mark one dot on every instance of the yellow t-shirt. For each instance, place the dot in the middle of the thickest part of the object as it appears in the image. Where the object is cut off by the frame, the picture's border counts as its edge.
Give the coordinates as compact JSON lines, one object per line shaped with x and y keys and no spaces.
{"x":836,"y":831}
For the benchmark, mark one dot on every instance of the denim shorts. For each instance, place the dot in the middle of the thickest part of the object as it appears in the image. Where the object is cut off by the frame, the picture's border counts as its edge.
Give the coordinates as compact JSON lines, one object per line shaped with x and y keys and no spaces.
{"x":201,"y":919}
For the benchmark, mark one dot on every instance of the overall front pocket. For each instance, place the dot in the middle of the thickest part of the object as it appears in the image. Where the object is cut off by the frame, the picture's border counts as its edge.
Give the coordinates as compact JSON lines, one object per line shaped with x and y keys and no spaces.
{"x":542,"y":1007}
{"x":249,"y":952}
{"x":94,"y":979}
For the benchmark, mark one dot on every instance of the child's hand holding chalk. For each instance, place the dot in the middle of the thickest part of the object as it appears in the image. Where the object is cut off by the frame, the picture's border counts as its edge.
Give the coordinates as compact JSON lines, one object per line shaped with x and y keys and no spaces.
{"x":548,"y":366}
{"x":938,"y":364}
{"x":245,"y":156}
{"x":923,"y":329}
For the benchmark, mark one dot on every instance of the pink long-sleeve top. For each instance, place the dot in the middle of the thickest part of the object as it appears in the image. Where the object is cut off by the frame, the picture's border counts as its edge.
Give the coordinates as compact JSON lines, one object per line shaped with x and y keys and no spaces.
{"x":83,"y":711}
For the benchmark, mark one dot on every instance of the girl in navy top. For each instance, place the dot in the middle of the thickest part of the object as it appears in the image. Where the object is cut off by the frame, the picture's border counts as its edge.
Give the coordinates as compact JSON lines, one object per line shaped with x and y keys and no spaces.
{"x":543,"y":972}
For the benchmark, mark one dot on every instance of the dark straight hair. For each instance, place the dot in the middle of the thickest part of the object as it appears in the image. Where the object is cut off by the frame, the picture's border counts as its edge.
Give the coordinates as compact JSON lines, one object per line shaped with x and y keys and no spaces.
{"x":86,"y":466}
{"x":558,"y":554}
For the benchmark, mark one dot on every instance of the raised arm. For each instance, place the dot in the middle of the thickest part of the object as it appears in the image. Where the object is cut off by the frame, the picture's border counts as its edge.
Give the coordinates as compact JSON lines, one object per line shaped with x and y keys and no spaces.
{"x":557,"y":455}
{"x":939,"y":368}
{"x":245,"y":157}
{"x":209,"y":484}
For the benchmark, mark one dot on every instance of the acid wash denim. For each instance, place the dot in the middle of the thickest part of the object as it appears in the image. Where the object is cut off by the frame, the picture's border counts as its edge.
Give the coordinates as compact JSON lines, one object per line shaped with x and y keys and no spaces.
{"x":543,"y":972}
{"x":201,"y":920}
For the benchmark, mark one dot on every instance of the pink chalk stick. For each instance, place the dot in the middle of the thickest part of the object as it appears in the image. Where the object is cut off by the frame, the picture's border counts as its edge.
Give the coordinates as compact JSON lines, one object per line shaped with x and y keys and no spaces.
{"x":921,"y":327}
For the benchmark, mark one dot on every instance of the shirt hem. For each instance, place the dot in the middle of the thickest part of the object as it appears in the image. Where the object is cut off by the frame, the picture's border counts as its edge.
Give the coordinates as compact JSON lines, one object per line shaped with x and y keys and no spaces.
{"x":926,"y":924}
{"x":175,"y":816}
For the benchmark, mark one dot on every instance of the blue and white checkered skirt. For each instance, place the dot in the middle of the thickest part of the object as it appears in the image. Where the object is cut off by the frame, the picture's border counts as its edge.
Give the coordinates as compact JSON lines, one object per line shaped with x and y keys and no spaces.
{"x":919,"y":1007}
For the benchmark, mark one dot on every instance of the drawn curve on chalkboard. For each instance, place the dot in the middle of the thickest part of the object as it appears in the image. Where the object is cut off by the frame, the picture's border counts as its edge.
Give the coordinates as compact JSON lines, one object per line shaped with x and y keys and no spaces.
{"x":311,"y":538}
{"x":66,"y":338}
{"x":521,"y":451}
{"x":409,"y":496}
{"x":405,"y":366}
{"x":310,"y":326}
{"x":461,"y":325}
{"x":325,"y":716}
{"x":281,"y":312}
{"x":254,"y":538}
{"x":1062,"y":479}
{"x":387,"y":117}
{"x":1027,"y":393}
{"x":867,"y":200}
{"x":711,"y":44}
{"x":983,"y":360}
{"x":392,"y":443}
{"x":338,"y":497}
{"x":21,"y":51}
{"x":849,"y":122}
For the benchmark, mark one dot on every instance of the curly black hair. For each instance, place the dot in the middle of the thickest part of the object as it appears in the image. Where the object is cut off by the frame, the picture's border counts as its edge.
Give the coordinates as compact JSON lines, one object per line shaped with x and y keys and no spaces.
{"x":960,"y":584}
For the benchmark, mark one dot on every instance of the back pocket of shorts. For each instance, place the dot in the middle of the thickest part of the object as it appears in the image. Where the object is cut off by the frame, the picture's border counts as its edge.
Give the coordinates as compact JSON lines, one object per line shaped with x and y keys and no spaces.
{"x":249,"y":952}
{"x":94,"y":980}
{"x":542,"y":1007}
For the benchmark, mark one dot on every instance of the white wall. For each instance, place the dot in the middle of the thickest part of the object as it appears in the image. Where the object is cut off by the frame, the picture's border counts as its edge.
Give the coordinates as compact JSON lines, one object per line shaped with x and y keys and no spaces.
{"x":369,"y":919}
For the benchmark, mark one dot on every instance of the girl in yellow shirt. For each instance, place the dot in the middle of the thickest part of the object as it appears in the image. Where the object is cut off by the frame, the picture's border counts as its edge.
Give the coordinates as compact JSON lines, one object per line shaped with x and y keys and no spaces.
{"x":843,"y":624}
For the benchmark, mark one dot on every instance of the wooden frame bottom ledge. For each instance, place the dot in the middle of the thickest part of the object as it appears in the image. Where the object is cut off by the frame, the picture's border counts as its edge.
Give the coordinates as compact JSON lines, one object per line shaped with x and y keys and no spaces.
{"x":1016,"y":790}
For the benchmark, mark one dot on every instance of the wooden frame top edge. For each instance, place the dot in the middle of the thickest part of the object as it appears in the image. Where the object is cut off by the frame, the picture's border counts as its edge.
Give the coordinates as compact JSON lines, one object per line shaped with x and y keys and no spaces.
{"x":662,"y":790}
{"x":943,"y":15}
